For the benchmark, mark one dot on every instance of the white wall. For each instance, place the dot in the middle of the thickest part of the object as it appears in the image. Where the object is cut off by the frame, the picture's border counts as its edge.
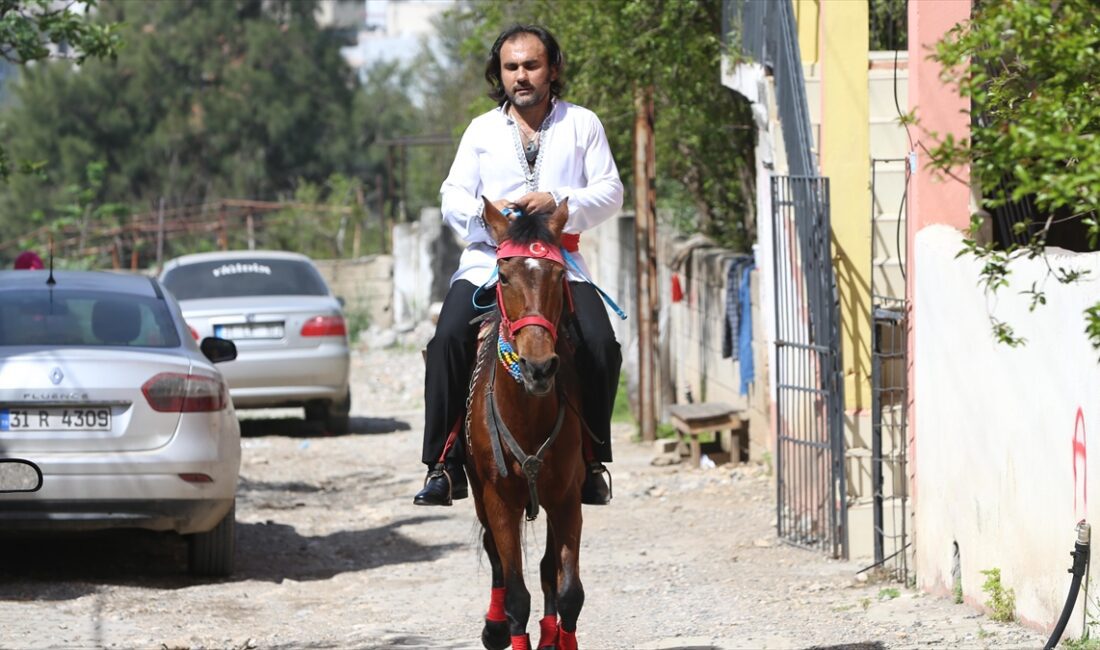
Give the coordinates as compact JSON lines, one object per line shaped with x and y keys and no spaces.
{"x":994,"y":457}
{"x":425,"y":255}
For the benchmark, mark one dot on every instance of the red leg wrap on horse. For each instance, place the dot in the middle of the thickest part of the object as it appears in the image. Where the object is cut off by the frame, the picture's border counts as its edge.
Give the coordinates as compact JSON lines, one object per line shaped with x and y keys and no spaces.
{"x":521,"y":642}
{"x":567,"y":640}
{"x":496,"y":606}
{"x":548,"y":631}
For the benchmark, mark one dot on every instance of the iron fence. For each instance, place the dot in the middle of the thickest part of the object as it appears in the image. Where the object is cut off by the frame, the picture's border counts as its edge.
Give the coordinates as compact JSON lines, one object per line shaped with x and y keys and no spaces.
{"x":889,"y":393}
{"x":811,"y":506}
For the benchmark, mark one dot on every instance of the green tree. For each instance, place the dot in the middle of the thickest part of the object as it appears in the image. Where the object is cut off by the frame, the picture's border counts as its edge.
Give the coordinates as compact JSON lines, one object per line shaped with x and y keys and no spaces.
{"x":704,"y":132}
{"x":35,"y":30}
{"x":1029,"y":68}
{"x":385,"y":109}
{"x":208,"y":100}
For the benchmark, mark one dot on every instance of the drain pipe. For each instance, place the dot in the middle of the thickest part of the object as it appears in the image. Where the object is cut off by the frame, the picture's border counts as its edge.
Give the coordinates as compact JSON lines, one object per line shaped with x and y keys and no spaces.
{"x":1080,"y":556}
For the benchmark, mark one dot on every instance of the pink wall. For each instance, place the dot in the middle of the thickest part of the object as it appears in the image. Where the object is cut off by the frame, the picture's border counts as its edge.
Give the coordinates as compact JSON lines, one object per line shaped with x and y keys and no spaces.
{"x":940,"y":110}
{"x":932,"y":199}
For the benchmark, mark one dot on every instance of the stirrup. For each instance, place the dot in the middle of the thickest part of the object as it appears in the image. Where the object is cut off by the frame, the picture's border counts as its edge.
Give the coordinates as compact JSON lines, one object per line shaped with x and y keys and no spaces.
{"x":441,"y":470}
{"x":599,"y":468}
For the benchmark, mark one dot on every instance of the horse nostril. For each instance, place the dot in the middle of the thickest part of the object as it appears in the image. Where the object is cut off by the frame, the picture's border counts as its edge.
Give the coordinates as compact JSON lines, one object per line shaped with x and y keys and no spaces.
{"x":539,"y":370}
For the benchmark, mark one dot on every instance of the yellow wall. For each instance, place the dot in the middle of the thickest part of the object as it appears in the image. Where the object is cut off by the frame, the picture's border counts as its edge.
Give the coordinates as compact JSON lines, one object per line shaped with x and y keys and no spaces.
{"x":845,"y":159}
{"x":807,"y":14}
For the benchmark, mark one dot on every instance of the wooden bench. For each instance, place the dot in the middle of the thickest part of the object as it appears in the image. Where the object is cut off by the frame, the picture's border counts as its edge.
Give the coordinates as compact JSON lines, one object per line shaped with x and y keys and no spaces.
{"x":692,"y":419}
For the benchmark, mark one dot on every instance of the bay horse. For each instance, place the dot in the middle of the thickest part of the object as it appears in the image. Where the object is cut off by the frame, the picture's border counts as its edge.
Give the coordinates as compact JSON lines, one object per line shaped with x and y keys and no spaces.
{"x":523,"y":435}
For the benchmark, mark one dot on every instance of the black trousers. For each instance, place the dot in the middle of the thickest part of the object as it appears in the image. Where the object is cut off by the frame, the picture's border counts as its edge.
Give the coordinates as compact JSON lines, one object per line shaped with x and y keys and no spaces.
{"x":452,"y":351}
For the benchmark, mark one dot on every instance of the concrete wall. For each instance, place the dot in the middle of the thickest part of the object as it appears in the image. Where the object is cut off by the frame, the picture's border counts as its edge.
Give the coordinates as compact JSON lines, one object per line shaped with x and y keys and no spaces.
{"x":695,"y":327}
{"x":690,"y":331}
{"x":752,"y":82}
{"x":932,"y":198}
{"x":845,"y":159}
{"x":425,"y":254}
{"x":608,"y":250}
{"x":1000,"y":474}
{"x":365,"y":284}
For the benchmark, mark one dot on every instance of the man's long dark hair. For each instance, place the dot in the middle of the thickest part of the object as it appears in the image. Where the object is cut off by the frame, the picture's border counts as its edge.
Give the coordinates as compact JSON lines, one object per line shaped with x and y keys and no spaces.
{"x":553,"y":56}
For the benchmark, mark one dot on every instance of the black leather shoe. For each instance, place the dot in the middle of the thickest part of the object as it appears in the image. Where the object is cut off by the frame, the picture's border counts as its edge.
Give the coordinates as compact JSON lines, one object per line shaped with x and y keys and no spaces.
{"x":596,"y":491}
{"x":441,"y":487}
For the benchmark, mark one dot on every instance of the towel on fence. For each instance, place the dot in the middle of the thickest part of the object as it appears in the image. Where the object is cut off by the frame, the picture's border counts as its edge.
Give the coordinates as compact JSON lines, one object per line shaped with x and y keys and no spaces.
{"x":744,"y":334}
{"x":731,"y":329}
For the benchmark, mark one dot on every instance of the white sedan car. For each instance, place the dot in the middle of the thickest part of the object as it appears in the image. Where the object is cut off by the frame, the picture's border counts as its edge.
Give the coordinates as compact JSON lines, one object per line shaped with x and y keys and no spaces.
{"x":289,"y":329}
{"x":104,"y":389}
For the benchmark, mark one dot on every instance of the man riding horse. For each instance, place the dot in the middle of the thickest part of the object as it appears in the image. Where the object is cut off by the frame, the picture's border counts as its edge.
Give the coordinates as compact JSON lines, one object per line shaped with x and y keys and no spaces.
{"x":529,"y":155}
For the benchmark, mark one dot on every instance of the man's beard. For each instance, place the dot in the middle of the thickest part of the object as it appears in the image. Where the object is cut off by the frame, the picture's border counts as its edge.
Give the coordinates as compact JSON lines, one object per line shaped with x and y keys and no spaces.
{"x":533,"y":99}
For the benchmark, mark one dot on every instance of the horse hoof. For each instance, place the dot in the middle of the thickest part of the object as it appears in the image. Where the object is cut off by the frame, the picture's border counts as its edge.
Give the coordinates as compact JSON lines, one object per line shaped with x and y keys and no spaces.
{"x":495,"y":635}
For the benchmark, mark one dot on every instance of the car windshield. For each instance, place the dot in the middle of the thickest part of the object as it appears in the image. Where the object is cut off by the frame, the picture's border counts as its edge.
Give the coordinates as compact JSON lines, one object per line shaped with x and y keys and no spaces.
{"x":41,"y":316}
{"x":244,"y":277}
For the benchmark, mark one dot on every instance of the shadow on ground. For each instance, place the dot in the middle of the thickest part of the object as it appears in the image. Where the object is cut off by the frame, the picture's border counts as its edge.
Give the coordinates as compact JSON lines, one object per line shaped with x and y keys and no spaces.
{"x":300,"y":428}
{"x":68,"y":566}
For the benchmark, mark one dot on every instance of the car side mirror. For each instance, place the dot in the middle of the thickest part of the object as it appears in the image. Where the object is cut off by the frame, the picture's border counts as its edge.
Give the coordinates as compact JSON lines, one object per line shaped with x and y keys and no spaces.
{"x":343,"y":303}
{"x":17,"y":475}
{"x":218,"y":350}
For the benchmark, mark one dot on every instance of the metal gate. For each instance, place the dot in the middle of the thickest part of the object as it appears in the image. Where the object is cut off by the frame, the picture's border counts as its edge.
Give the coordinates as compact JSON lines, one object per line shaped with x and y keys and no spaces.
{"x":811,"y":506}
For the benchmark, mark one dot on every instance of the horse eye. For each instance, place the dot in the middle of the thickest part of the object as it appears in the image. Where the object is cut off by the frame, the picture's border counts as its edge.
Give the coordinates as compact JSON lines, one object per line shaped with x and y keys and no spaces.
{"x":503,"y":279}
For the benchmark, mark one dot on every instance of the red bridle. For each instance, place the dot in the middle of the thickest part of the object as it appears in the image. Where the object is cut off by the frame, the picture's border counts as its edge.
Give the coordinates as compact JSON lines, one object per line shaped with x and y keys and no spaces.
{"x":538,"y":250}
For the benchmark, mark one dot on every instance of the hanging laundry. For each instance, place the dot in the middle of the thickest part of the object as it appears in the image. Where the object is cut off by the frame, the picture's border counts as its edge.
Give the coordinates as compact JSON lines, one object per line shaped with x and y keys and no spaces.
{"x":744,"y":334}
{"x":731,"y":324}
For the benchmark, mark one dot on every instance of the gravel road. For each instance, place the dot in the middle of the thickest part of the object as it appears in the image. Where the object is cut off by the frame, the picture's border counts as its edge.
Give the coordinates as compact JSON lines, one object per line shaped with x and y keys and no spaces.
{"x":331,"y":553}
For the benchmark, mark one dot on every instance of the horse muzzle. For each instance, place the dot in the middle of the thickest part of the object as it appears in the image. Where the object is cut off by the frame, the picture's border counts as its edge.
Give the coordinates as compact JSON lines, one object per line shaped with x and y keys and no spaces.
{"x":538,"y":376}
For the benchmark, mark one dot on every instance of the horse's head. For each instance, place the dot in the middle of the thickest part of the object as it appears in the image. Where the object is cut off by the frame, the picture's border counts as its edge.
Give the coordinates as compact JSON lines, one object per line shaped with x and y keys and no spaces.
{"x":530,"y":289}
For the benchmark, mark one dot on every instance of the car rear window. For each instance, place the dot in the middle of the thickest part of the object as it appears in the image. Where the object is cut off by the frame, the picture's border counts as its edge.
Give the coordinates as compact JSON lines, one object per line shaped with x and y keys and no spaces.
{"x":42,"y":316}
{"x":244,"y":277}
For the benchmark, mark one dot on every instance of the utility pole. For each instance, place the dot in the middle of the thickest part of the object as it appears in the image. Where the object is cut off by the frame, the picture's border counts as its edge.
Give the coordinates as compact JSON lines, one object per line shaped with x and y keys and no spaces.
{"x":645,"y":246}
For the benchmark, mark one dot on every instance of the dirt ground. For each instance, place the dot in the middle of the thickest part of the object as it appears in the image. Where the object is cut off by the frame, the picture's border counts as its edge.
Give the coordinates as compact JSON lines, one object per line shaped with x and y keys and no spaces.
{"x":332,"y":553}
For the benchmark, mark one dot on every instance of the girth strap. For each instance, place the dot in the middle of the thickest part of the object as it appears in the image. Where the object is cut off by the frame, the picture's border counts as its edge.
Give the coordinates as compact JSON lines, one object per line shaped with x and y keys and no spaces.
{"x":530,"y":465}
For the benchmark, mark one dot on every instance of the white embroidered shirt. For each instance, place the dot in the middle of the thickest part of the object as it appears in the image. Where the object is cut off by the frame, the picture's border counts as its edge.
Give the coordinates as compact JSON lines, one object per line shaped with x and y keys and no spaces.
{"x":574,"y":162}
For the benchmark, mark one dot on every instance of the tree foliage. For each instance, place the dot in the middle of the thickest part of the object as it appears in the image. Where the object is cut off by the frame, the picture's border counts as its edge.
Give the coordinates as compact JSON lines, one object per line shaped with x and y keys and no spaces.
{"x":1029,"y":68}
{"x":704,"y":133}
{"x":207,"y":100}
{"x":35,"y":30}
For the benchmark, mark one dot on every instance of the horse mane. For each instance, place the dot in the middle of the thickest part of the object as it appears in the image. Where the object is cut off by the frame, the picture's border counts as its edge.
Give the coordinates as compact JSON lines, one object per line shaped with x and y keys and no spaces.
{"x":530,"y":228}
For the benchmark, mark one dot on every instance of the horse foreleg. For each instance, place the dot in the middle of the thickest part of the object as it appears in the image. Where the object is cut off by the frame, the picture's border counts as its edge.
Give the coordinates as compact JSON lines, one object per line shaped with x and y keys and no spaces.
{"x":570,"y":600}
{"x":494,"y":636}
{"x":504,"y":524}
{"x":548,"y":571}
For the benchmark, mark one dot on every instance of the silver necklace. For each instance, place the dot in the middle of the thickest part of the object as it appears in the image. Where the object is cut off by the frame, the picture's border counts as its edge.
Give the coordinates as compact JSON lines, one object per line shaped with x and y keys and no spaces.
{"x":530,"y":157}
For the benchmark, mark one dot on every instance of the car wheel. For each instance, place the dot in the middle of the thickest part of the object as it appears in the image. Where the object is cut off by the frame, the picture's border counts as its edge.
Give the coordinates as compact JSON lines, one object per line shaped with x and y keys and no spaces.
{"x":338,"y":419}
{"x":212,"y":553}
{"x":334,"y":415}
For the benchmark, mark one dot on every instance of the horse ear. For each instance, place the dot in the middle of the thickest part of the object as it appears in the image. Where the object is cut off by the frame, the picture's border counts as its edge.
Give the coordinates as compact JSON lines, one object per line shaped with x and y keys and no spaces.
{"x":558,"y":219}
{"x":497,"y":222}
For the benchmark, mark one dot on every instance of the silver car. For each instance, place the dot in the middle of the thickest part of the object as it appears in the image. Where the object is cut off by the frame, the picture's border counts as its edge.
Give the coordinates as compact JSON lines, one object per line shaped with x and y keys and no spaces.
{"x":289,"y":329}
{"x":104,"y":389}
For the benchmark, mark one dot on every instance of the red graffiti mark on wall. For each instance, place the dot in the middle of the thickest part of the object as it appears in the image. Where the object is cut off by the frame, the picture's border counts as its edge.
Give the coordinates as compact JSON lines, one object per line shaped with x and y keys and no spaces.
{"x":1080,"y":452}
